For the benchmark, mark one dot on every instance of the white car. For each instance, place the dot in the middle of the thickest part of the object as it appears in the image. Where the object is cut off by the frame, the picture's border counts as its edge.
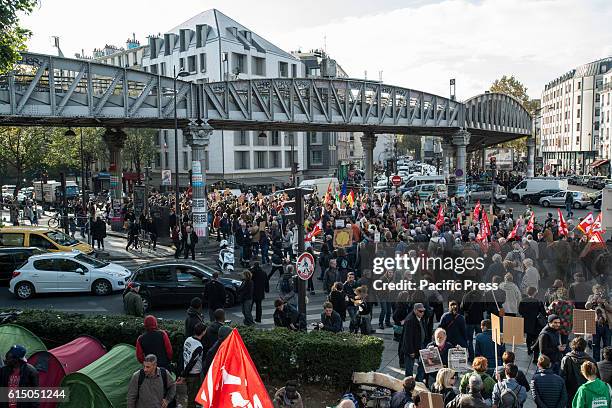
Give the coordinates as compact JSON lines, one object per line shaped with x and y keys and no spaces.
{"x":67,"y":272}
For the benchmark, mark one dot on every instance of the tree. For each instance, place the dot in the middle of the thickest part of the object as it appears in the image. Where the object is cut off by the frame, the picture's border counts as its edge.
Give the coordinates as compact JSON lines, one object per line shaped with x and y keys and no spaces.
{"x":409,"y":143}
{"x":139,"y":148}
{"x":23,"y":149}
{"x":513,"y":87}
{"x":13,"y":38}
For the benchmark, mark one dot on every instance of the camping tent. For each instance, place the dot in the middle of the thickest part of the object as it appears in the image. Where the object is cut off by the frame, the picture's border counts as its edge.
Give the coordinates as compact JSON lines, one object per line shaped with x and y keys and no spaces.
{"x":103,"y":383}
{"x":55,"y":364}
{"x":11,"y":334}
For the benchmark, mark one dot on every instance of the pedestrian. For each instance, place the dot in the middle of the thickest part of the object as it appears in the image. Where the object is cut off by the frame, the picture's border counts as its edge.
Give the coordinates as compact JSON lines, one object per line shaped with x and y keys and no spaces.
{"x":194,"y":316}
{"x":151,"y":386}
{"x":330,"y":275}
{"x":484,"y":346}
{"x":338,"y":299}
{"x":508,"y":392}
{"x":72,"y":227}
{"x":549,"y":342}
{"x":330,"y":319}
{"x":277,"y":262}
{"x":288,"y":396}
{"x":570,"y":366}
{"x":245,"y":295}
{"x":288,"y":317}
{"x":473,"y":306}
{"x":454,"y":325}
{"x":440,"y":342}
{"x":534,"y":317}
{"x":605,"y":366}
{"x":569,"y":204}
{"x":98,"y":232}
{"x":222,"y":334}
{"x":547,"y":388}
{"x":593,"y":393}
{"x":445,"y":383}
{"x":509,"y":358}
{"x":190,"y":239}
{"x":414,"y":339}
{"x":154,"y":341}
{"x":132,"y":234}
{"x":17,"y":374}
{"x":513,"y":295}
{"x":600,"y":302}
{"x":176,"y":237}
{"x":472,"y":396}
{"x":214,"y":293}
{"x":212,"y":331}
{"x":132,"y":301}
{"x":400,"y":399}
{"x":193,"y":355}
{"x":480,"y":368}
{"x":153,"y":231}
{"x":261,"y":286}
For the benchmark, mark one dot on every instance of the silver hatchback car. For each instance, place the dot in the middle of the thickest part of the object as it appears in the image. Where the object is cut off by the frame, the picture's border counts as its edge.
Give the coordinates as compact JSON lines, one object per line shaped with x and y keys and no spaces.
{"x":581,"y":200}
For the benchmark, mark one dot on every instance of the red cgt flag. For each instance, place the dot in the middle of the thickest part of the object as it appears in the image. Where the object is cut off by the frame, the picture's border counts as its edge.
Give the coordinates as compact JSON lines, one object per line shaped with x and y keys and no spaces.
{"x":232,"y":379}
{"x":440,"y":218}
{"x":531,"y":223}
{"x":563,"y":230}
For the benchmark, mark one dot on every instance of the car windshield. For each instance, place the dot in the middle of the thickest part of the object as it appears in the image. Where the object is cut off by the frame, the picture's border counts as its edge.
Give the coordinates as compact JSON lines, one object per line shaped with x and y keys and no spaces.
{"x":90,"y":261}
{"x":61,"y":238}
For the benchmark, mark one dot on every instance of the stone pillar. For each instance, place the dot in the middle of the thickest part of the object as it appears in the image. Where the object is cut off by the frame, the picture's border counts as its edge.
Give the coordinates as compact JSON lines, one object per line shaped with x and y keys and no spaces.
{"x":115,"y":140}
{"x":368,"y":141}
{"x":447,"y":152}
{"x":198,"y":137}
{"x":530,"y":157}
{"x":461,"y":140}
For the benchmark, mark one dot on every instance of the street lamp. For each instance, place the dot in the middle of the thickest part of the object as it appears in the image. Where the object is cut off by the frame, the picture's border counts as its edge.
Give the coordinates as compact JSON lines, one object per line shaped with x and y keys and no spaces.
{"x":70,"y":133}
{"x":181,"y":73}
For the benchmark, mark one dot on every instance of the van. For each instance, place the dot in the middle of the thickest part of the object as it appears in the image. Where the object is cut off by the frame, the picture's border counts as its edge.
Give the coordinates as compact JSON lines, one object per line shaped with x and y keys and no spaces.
{"x":47,"y":239}
{"x":537,"y":184}
{"x":321,"y":185}
{"x":418,"y":180}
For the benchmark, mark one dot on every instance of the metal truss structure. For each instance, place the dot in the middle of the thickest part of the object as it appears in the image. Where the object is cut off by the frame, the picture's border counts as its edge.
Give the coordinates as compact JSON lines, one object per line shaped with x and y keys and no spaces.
{"x":48,"y":90}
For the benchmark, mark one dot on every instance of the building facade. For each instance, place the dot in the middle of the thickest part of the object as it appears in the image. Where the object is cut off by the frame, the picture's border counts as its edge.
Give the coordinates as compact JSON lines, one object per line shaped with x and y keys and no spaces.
{"x":605,"y":112}
{"x":570,"y":120}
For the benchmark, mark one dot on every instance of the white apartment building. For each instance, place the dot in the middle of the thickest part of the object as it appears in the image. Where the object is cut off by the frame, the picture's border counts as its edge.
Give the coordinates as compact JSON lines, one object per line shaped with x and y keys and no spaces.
{"x":570,"y":132}
{"x":605,"y":112}
{"x":212,"y":47}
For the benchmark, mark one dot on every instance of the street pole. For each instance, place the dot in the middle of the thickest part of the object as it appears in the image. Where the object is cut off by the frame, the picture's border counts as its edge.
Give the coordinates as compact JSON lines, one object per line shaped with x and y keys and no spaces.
{"x":64,"y":203}
{"x":177,"y":206}
{"x":146,"y":203}
{"x":293,"y":169}
{"x":299,"y":216}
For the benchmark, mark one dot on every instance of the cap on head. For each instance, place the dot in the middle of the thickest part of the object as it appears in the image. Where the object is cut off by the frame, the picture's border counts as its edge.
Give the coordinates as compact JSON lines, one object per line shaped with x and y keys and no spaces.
{"x":552,"y":318}
{"x":17,"y":351}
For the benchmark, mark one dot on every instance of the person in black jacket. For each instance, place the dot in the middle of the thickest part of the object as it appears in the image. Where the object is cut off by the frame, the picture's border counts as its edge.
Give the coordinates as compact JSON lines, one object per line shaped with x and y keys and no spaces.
{"x":261,"y":286}
{"x":338,"y":298}
{"x":223,"y":333}
{"x":194,"y":316}
{"x":473,"y":307}
{"x":190,"y":239}
{"x":17,"y":373}
{"x":547,"y":388}
{"x":414,"y":339}
{"x":605,"y":366}
{"x":570,"y":366}
{"x":330,"y":319}
{"x":245,"y":294}
{"x":214,"y":293}
{"x":549,"y":342}
{"x":530,"y":309}
{"x":287,"y":316}
{"x":212,"y":331}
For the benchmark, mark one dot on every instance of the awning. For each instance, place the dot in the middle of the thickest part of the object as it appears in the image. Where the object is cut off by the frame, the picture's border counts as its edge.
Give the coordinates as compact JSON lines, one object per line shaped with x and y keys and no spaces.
{"x":598,"y":163}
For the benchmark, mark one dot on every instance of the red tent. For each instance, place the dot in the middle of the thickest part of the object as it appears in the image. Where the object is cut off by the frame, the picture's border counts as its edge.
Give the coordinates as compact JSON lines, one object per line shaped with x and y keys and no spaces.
{"x":55,"y":364}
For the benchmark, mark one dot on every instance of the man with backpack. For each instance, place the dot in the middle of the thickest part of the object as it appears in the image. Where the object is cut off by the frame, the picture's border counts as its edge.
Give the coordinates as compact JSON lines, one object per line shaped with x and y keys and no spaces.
{"x":192,"y":360}
{"x":151,"y":386}
{"x":508,"y":393}
{"x":547,"y":388}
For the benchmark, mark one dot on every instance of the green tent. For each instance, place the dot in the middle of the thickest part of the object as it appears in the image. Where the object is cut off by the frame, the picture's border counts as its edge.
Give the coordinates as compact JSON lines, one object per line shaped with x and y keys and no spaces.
{"x":11,"y":334}
{"x":103,"y":383}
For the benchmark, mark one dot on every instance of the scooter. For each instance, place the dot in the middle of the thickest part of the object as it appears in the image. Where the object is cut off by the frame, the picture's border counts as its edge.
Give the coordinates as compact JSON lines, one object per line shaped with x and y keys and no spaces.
{"x":225,"y":261}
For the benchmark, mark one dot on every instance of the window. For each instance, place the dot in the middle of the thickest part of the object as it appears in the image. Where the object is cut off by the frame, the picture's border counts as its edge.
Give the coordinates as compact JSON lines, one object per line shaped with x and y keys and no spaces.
{"x":316,"y":157}
{"x":578,"y":140}
{"x":242,"y":161}
{"x":289,"y":138}
{"x":258,"y":66}
{"x":260,"y":160}
{"x":260,"y":141}
{"x":294,"y":71}
{"x":188,"y":277}
{"x":578,"y":126}
{"x":275,"y":139}
{"x":191,"y":63}
{"x":275,"y":160}
{"x":154,"y":69}
{"x":578,"y":98}
{"x":162,"y":68}
{"x":158,"y":159}
{"x":40,"y":242}
{"x":181,"y":64}
{"x":162,"y":274}
{"x":203,"y":62}
{"x":47,"y":265}
{"x":7,"y":239}
{"x":578,"y":85}
{"x":289,"y":160}
{"x":68,"y":265}
{"x":283,"y":69}
{"x":241,"y":138}
{"x":238,"y":63}
{"x":206,"y":160}
{"x":315,"y":138}
{"x":185,"y":161}
{"x":577,"y":113}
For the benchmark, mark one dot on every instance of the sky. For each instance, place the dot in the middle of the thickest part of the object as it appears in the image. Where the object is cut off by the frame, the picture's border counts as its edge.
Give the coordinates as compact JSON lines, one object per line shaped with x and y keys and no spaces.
{"x":418,"y":44}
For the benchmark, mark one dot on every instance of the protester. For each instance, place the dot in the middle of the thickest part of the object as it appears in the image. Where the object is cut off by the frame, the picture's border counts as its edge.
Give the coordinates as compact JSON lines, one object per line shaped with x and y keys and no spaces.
{"x":605,"y":366}
{"x":222,"y":334}
{"x":288,"y":396}
{"x":445,"y":382}
{"x":287,"y":316}
{"x":600,"y":302}
{"x":212,"y":331}
{"x":508,"y":392}
{"x":245,"y":296}
{"x":570,"y":366}
{"x":132,"y":301}
{"x":214,"y":293}
{"x":414,"y":339}
{"x":509,"y":358}
{"x":593,"y":393}
{"x":547,"y":388}
{"x":484,"y":346}
{"x":192,"y":358}
{"x":151,"y":386}
{"x":480,"y":367}
{"x":472,"y":394}
{"x":16,"y":375}
{"x":533,"y":312}
{"x":454,"y":324}
{"x":330,"y":319}
{"x":194,"y":316}
{"x":190,"y":239}
{"x":549,"y":342}
{"x":154,"y":341}
{"x":401,"y":398}
{"x":261,"y":286}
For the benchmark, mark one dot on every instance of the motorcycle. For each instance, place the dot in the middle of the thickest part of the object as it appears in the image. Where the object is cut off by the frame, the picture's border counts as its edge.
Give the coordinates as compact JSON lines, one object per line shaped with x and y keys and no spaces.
{"x":225,"y":261}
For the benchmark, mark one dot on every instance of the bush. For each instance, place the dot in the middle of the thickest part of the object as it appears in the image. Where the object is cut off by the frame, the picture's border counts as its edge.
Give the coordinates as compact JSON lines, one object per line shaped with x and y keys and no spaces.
{"x":279,"y":354}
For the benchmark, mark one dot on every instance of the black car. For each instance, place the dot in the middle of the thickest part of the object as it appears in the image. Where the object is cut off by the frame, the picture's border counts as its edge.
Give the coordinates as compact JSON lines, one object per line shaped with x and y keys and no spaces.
{"x":175,"y":283}
{"x":12,"y":259}
{"x":572,"y":180}
{"x":534,"y":198}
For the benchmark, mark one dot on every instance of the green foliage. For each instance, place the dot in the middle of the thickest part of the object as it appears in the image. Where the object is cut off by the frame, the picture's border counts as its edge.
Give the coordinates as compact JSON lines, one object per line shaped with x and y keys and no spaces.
{"x":409,"y":144}
{"x":139,"y":147}
{"x":279,"y":354}
{"x":22,"y":148}
{"x":13,"y":37}
{"x":64,"y":152}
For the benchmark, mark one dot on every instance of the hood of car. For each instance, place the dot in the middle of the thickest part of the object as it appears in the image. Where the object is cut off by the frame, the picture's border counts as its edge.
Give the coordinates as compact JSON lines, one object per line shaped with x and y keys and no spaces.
{"x":115,"y":269}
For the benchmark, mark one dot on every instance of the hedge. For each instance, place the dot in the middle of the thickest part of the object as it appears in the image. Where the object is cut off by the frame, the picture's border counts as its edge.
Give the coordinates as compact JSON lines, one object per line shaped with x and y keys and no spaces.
{"x":279,"y":354}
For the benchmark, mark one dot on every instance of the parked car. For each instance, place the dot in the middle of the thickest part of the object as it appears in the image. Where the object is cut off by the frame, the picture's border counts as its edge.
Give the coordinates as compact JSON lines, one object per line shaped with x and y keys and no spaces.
{"x":480,"y":192}
{"x":49,"y":239}
{"x":12,"y":258}
{"x":601,"y":183}
{"x":572,"y":180}
{"x":535,"y":184}
{"x":174,"y":283}
{"x":558,"y":200}
{"x":582,"y":180}
{"x":67,"y":272}
{"x":535,"y":197}
{"x":595,"y":182}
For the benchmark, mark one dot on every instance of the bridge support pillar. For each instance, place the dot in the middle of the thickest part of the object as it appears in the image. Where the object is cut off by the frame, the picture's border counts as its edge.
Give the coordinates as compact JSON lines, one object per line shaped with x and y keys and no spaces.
{"x":530,"y":157}
{"x":198,"y":137}
{"x":368,"y":141}
{"x":447,"y":153}
{"x":115,"y":140}
{"x":461,"y":140}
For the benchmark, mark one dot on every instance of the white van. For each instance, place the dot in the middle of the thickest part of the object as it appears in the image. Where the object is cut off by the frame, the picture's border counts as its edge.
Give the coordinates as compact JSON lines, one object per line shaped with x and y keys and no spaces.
{"x":321,"y":185}
{"x":535,"y":185}
{"x":418,"y":180}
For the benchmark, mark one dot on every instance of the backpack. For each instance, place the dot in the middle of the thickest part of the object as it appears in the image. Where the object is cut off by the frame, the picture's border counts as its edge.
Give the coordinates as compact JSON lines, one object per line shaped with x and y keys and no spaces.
{"x":508,"y":398}
{"x":164,"y":375}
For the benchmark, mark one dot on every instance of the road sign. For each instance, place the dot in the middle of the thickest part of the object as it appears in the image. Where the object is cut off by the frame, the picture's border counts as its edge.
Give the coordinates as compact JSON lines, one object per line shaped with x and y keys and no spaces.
{"x":458,"y":173}
{"x":305,"y":266}
{"x":396,"y":180}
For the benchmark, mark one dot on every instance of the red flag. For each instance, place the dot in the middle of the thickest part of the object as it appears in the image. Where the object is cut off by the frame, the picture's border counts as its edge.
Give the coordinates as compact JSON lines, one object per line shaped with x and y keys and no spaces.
{"x":477,"y":209}
{"x":531,"y":223}
{"x":315,"y":231}
{"x":513,"y":232}
{"x":232,"y":379}
{"x":440,"y":219}
{"x":596,"y":227}
{"x":486,"y":226}
{"x":562,"y":224}
{"x":458,"y":222}
{"x":585,"y":225}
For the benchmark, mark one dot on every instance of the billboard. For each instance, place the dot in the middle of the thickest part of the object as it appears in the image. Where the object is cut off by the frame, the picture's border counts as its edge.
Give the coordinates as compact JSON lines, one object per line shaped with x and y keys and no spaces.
{"x":504,"y":157}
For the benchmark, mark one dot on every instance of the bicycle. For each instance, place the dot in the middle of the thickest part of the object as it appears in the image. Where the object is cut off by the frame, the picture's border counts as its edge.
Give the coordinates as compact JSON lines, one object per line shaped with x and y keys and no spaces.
{"x":55,"y":221}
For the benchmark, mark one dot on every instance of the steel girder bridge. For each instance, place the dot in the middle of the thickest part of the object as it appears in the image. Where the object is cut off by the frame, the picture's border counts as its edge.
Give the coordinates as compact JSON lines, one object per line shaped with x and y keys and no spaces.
{"x":46,"y":90}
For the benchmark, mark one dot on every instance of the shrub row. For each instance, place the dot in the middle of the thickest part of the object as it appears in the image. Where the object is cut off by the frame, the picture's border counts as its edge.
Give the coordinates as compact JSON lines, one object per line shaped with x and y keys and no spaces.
{"x":279,"y":354}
